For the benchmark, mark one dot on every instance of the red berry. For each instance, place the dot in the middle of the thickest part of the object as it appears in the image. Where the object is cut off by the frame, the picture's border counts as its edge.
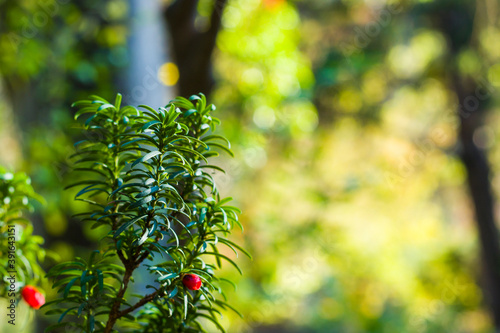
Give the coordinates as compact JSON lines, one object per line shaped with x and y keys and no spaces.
{"x":33,"y":297}
{"x":192,"y":281}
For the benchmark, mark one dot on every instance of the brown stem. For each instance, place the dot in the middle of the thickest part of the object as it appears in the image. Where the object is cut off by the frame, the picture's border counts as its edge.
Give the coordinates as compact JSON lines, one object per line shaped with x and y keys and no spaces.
{"x":143,"y":256}
{"x":115,"y":309}
{"x":130,"y":265}
{"x":137,"y":305}
{"x":122,"y":257}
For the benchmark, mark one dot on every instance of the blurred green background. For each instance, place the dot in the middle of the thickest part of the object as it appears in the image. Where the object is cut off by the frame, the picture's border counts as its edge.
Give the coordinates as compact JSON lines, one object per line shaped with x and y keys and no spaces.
{"x":364,"y":133}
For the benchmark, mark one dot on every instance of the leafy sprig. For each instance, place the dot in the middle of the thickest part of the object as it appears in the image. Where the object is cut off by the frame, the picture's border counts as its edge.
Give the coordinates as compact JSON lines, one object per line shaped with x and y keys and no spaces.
{"x":149,"y":182}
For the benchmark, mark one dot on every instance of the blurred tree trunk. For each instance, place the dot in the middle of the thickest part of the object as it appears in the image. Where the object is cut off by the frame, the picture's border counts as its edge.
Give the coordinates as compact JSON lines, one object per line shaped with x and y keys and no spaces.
{"x":192,"y":45}
{"x":478,"y":181}
{"x":457,"y":20}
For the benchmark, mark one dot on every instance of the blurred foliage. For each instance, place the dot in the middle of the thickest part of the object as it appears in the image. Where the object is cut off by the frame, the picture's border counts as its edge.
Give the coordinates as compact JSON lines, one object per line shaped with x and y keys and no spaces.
{"x":20,"y":251}
{"x":65,"y":45}
{"x":52,"y":51}
{"x":358,"y":219}
{"x":56,"y":51}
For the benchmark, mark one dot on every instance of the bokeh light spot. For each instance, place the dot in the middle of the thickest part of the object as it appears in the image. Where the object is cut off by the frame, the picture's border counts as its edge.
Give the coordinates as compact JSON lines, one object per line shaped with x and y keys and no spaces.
{"x":264,"y":117}
{"x":168,"y":74}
